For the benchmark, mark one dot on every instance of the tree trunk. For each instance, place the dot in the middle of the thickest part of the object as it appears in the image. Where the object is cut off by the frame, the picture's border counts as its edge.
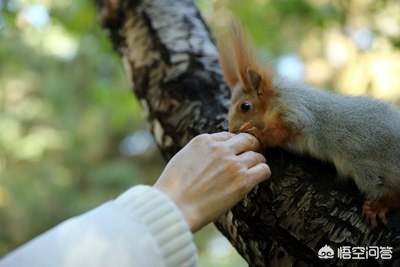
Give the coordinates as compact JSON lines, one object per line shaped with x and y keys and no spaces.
{"x":171,"y":59}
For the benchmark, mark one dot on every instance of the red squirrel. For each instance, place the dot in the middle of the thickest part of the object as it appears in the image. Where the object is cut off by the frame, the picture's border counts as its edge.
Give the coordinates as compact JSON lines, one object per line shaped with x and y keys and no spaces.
{"x":358,"y":134}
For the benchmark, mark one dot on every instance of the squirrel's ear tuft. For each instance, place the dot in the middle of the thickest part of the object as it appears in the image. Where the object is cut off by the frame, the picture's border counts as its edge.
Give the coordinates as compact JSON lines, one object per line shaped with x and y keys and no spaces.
{"x":239,"y":64}
{"x":227,"y":65}
{"x":253,"y":75}
{"x":259,"y":80}
{"x":252,"y":80}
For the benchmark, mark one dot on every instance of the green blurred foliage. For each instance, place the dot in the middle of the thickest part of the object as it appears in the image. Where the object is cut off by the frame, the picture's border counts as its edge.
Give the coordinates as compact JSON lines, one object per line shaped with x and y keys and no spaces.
{"x":66,"y":104}
{"x":348,"y":46}
{"x":65,"y":107}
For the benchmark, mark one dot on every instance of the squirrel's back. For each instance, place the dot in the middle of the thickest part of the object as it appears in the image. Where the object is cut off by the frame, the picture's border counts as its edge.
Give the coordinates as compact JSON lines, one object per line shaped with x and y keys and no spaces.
{"x":337,"y":127}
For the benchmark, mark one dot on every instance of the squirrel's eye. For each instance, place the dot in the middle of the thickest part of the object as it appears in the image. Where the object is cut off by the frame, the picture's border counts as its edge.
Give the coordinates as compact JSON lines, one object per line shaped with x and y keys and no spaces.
{"x":245,"y":106}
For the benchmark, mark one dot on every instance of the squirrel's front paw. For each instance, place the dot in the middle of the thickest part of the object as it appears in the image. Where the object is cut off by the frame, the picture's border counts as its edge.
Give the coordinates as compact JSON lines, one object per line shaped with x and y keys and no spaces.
{"x":249,"y":128}
{"x":246,"y":127}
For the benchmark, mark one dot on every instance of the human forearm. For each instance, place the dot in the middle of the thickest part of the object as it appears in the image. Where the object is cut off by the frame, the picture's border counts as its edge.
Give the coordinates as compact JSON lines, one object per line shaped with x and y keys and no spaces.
{"x":129,"y":231}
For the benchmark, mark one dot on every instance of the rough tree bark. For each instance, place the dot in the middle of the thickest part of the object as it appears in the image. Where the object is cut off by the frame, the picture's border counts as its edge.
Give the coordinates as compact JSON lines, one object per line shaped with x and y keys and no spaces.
{"x":171,"y":59}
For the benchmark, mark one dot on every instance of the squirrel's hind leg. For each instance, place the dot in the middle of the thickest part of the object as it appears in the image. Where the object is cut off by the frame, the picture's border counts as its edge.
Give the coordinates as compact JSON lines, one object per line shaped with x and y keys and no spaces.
{"x":373,"y":210}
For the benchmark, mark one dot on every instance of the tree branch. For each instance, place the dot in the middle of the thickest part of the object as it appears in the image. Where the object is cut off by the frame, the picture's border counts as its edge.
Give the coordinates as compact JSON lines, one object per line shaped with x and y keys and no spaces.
{"x":171,"y":59}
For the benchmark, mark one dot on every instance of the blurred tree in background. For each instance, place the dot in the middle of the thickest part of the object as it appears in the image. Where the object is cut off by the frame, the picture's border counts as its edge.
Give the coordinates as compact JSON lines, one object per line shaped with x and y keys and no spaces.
{"x":72,"y":135}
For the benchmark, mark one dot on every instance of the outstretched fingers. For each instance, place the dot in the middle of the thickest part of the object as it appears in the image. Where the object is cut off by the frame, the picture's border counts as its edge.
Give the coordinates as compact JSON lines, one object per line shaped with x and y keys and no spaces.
{"x":222,"y":136}
{"x":251,"y":158}
{"x":257,"y":174}
{"x":243,"y":142}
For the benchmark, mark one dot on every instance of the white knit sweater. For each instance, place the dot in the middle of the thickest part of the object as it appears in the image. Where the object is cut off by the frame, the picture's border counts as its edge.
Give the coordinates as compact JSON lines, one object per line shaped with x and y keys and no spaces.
{"x":142,"y":227}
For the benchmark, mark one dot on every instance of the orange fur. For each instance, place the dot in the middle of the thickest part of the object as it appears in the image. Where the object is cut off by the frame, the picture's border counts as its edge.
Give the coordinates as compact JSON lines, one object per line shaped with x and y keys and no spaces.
{"x":237,"y":57}
{"x":227,"y":65}
{"x":277,"y":133}
{"x":239,"y":64}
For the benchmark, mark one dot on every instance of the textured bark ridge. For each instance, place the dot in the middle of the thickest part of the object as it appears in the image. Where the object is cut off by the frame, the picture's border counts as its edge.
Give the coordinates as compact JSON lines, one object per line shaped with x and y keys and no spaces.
{"x":171,"y":59}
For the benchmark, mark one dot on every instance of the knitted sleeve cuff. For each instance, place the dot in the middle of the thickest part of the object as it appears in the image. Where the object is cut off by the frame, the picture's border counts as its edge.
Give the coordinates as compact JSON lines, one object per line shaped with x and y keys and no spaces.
{"x":165,"y":221}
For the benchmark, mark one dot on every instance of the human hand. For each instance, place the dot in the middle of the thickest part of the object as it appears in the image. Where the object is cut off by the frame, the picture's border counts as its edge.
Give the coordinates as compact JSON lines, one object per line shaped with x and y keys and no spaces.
{"x":211,"y":174}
